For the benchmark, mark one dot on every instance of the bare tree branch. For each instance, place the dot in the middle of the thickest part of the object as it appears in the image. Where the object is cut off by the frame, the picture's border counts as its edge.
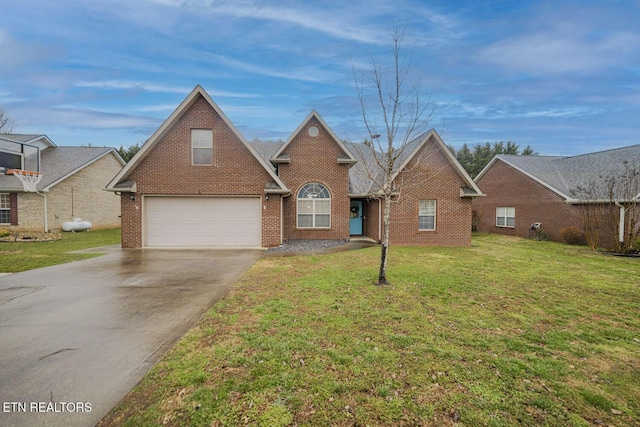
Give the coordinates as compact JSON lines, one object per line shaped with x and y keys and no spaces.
{"x":6,"y":124}
{"x":405,"y":113}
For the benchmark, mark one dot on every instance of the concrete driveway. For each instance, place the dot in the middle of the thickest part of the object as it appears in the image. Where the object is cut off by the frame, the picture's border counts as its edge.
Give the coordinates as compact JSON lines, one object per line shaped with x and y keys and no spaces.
{"x":86,"y":332}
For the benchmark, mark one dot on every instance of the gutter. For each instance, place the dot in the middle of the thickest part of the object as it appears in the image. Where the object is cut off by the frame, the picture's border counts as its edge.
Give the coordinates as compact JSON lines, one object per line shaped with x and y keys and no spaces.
{"x":46,"y":214}
{"x":599,"y":201}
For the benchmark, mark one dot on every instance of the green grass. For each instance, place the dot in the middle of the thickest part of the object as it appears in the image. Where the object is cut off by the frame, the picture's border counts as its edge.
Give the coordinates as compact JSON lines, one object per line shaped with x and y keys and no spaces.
{"x":22,"y":256}
{"x":507,"y":332}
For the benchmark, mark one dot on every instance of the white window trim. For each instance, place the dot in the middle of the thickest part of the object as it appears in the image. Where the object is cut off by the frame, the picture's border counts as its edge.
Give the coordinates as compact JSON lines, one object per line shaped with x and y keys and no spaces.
{"x":21,"y":155}
{"x":313,"y":209}
{"x":8,"y":196}
{"x":208,"y":142}
{"x":434,"y":215}
{"x":505,"y":216}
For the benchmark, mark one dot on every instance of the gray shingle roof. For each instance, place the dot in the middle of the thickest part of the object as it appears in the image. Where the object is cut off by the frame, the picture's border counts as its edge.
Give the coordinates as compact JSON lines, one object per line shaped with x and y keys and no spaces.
{"x":360,"y":182}
{"x":565,"y":174}
{"x":56,"y":163}
{"x":266,"y":149}
{"x":61,"y":161}
{"x":18,"y":137}
{"x":9,"y":184}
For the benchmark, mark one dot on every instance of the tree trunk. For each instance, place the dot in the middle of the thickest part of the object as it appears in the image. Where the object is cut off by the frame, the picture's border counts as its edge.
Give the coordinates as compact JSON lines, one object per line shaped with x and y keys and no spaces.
{"x":384,"y":247}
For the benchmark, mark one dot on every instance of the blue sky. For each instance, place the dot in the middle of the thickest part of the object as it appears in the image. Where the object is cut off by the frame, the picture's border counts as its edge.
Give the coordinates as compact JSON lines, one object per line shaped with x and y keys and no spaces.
{"x":561,"y":76}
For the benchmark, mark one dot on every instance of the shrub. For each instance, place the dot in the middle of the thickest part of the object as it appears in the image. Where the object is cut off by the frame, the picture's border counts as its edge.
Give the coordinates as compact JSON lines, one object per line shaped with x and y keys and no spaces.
{"x":573,"y":236}
{"x":4,"y":232}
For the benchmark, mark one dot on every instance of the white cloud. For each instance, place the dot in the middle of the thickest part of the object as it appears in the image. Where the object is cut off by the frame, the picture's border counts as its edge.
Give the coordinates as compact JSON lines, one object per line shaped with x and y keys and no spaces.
{"x":17,"y":53}
{"x":561,"y":52}
{"x":310,"y":73}
{"x":510,"y":110}
{"x":158,"y":88}
{"x":156,"y":108}
{"x":72,"y":116}
{"x":560,"y":112}
{"x":553,"y":38}
{"x":333,"y":21}
{"x":93,"y":119}
{"x":125,"y":84}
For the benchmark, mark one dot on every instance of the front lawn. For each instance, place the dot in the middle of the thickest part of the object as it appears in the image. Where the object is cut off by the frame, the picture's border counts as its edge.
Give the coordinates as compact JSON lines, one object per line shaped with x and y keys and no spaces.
{"x":507,"y":332}
{"x":21,"y":256}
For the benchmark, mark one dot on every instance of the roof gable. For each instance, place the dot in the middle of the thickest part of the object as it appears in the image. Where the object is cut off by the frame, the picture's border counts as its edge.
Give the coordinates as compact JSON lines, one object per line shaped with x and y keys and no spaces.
{"x":367,"y":165}
{"x":413,"y":148}
{"x":40,"y":141}
{"x":562,"y":175}
{"x":148,"y":146}
{"x":348,"y":156}
{"x":59,"y":163}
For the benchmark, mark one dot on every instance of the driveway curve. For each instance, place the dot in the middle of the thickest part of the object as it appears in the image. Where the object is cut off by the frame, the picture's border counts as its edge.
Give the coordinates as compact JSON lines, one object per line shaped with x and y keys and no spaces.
{"x":76,"y":337}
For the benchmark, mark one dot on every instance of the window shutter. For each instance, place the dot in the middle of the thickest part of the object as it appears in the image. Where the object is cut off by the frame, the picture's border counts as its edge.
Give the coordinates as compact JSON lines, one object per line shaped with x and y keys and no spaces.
{"x":13,"y":207}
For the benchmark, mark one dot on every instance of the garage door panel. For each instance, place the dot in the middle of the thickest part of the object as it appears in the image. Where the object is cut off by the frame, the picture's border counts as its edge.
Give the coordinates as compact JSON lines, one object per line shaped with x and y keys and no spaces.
{"x":202,"y":221}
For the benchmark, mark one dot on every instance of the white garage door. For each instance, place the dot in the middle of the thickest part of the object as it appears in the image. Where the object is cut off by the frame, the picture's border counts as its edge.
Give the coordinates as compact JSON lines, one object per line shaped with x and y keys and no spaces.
{"x":202,"y":221}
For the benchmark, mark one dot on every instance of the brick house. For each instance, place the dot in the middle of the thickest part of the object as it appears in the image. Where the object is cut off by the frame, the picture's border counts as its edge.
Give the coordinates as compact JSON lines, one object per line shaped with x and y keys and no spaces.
{"x":72,"y":184}
{"x":197,"y":182}
{"x":522,"y":190}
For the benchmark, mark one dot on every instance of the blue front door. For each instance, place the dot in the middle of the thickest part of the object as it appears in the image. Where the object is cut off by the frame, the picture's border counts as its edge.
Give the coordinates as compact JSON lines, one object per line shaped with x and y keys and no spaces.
{"x":355,"y":221}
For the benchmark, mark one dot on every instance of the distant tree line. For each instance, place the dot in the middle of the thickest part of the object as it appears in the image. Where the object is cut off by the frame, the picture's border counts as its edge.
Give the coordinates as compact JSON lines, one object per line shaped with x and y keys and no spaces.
{"x":475,"y":159}
{"x":127,"y":153}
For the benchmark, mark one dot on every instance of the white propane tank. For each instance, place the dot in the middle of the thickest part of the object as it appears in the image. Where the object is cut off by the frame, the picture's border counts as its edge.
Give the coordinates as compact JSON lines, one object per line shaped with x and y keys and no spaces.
{"x":76,"y":225}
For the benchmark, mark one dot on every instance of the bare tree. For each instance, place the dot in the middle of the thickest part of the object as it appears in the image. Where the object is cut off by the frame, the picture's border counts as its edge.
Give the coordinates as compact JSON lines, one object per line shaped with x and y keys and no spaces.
{"x":624,"y":194}
{"x":395,"y":112}
{"x":610,"y":209}
{"x":6,"y":124}
{"x":592,"y":209}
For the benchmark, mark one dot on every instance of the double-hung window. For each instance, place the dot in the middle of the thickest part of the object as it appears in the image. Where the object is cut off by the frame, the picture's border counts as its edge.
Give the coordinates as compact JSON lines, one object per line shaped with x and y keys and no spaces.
{"x":505,"y":216}
{"x":427,"y":215}
{"x":314,"y":206}
{"x":202,"y":147}
{"x":5,"y":208}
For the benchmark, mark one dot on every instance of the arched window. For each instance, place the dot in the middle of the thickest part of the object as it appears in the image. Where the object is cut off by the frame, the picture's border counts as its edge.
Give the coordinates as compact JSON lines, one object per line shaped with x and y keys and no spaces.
{"x":314,"y":206}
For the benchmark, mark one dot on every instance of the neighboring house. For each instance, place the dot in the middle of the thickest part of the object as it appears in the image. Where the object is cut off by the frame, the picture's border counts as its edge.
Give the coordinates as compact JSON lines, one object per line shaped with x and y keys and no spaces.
{"x":522,"y":190}
{"x":197,"y":182}
{"x":72,"y":184}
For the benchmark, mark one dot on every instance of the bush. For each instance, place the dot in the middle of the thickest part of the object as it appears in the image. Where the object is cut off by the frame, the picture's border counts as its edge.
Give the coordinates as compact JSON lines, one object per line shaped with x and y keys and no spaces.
{"x":4,"y":232}
{"x":573,"y":236}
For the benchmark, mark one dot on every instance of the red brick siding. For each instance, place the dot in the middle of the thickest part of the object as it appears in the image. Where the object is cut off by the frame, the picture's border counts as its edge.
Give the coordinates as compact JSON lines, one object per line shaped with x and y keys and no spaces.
{"x":314,"y":159}
{"x":430,"y":176}
{"x":167,"y":170}
{"x":131,"y":220}
{"x":271,"y":220}
{"x":533,"y":202}
{"x":371,"y":223}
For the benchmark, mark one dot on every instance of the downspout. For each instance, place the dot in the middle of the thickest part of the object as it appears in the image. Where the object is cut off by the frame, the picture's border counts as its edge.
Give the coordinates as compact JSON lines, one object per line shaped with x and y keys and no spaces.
{"x":621,"y":224}
{"x":46,"y":215}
